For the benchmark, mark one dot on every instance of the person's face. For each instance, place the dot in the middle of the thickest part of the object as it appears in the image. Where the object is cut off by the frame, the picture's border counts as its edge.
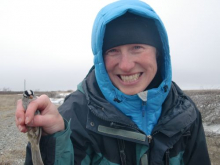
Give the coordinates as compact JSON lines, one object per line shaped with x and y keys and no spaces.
{"x":131,"y":67}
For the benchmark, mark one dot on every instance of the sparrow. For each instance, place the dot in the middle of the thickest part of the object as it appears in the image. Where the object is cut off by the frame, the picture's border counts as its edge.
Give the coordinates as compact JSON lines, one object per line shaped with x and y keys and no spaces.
{"x":33,"y":133}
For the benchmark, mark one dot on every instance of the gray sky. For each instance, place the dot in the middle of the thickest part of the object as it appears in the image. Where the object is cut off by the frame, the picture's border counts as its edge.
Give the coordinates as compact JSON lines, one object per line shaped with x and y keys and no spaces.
{"x":48,"y":42}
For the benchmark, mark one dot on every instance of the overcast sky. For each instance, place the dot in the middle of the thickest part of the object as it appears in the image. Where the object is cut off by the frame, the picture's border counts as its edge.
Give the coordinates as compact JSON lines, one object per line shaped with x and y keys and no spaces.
{"x":48,"y":42}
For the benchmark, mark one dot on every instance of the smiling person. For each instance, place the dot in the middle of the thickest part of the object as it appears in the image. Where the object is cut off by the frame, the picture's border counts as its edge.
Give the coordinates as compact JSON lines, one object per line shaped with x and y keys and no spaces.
{"x":127,"y":110}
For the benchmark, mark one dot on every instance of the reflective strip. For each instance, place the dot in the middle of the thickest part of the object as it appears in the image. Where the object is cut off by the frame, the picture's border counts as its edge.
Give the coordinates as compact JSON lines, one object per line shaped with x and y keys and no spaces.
{"x":122,"y":133}
{"x":144,"y":160}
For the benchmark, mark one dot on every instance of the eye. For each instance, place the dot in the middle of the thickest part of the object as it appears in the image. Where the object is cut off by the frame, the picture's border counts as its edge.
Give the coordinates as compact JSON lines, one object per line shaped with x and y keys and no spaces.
{"x":137,"y":47}
{"x":111,"y":52}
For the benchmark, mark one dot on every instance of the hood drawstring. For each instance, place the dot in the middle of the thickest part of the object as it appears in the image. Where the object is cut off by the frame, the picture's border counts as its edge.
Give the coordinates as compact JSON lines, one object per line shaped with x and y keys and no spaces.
{"x":117,"y":100}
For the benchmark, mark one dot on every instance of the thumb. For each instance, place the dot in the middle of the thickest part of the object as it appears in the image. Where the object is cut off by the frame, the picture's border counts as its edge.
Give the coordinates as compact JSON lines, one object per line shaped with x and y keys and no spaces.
{"x":41,"y":121}
{"x":49,"y":123}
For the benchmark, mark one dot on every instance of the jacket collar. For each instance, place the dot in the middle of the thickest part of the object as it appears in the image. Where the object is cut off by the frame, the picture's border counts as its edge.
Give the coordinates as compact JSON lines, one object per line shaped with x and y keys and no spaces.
{"x":103,"y":109}
{"x":177,"y":108}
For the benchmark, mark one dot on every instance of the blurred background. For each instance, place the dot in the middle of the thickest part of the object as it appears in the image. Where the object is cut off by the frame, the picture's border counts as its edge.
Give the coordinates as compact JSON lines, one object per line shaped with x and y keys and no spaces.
{"x":48,"y":42}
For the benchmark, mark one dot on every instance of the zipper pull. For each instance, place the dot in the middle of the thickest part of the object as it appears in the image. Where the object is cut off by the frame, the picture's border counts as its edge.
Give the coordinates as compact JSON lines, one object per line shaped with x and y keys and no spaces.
{"x":149,"y":137}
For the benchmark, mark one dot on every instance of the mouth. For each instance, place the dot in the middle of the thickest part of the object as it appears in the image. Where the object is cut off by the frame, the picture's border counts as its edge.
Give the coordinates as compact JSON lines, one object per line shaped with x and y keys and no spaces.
{"x":130,"y":78}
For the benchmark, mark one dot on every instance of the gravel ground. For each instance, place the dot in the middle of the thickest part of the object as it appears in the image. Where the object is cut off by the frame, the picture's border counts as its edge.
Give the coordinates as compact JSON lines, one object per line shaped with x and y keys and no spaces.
{"x":12,"y":142}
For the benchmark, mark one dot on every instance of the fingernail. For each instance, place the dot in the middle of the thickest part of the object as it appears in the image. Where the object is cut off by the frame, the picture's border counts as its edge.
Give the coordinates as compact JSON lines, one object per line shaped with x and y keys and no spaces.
{"x":19,"y":120}
{"x":20,"y":128}
{"x":26,"y":120}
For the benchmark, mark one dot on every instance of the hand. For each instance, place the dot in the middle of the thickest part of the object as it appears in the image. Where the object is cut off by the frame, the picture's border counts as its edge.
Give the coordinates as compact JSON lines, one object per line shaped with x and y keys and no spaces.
{"x":50,"y":119}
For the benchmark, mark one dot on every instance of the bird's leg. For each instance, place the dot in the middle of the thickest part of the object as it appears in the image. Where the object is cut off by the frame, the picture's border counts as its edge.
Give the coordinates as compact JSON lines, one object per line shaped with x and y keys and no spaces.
{"x":34,"y":135}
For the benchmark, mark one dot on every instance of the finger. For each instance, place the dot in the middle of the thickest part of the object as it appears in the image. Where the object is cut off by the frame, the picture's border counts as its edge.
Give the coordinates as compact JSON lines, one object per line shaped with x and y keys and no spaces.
{"x":32,"y":123}
{"x":22,"y":128}
{"x":18,"y":121}
{"x":47,"y":118}
{"x":20,"y":113}
{"x":40,"y":121}
{"x":44,"y":102}
{"x":40,"y":103}
{"x":50,"y":123}
{"x":31,"y":109}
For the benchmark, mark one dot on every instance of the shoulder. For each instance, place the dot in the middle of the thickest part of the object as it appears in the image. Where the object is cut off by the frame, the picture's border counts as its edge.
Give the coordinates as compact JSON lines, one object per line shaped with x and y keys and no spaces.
{"x":178,"y":100}
{"x":179,"y":108}
{"x":74,"y":104}
{"x":188,"y":104}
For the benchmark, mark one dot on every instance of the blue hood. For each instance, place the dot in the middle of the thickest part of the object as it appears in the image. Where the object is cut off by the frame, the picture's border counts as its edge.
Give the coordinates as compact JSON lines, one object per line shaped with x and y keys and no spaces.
{"x":144,"y":115}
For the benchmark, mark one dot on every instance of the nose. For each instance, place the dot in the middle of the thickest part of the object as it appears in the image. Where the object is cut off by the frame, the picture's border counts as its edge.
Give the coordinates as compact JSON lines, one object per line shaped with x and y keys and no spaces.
{"x":126,"y":63}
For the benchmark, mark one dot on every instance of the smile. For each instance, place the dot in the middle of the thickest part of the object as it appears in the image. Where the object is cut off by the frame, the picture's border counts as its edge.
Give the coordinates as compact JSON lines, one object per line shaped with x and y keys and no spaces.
{"x":130,"y":78}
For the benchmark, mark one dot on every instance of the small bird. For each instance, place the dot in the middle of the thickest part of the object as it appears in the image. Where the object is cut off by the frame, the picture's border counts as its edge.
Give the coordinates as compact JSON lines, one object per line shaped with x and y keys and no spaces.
{"x":34,"y":133}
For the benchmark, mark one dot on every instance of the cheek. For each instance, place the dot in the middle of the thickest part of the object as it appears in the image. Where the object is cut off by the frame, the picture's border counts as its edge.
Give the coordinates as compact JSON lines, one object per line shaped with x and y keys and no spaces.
{"x":109,"y":63}
{"x":152,"y":61}
{"x":154,"y":64}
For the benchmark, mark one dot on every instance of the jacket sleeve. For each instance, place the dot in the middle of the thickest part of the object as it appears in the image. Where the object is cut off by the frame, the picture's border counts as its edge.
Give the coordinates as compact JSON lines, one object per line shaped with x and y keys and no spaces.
{"x":55,"y":149}
{"x":196,"y":152}
{"x":75,"y":109}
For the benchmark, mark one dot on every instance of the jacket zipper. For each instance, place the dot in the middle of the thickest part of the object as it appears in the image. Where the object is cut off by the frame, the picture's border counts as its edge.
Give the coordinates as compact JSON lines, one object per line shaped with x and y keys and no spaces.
{"x":143,"y":108}
{"x":167,"y":157}
{"x":149,"y":137}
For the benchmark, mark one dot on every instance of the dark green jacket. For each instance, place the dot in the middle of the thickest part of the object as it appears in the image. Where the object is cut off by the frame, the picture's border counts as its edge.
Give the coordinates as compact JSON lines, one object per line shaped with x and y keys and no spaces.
{"x":97,"y":133}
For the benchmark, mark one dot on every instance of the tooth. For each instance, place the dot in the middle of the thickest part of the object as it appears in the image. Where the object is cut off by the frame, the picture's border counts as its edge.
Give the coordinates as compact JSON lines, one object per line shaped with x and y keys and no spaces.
{"x":130,"y":78}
